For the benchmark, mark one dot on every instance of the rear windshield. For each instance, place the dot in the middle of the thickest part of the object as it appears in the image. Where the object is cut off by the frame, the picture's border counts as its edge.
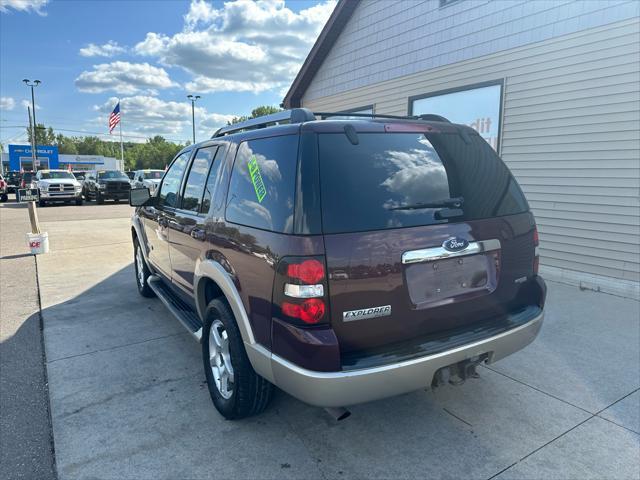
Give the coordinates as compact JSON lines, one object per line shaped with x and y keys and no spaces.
{"x":382,"y":181}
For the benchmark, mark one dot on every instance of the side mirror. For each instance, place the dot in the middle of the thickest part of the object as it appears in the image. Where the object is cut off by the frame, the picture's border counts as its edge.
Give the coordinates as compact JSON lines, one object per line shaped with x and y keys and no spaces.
{"x":139,"y":197}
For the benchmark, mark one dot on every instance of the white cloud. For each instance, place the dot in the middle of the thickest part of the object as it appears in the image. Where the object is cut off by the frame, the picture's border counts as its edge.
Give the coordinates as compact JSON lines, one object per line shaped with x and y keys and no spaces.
{"x":108,"y":49}
{"x":241,"y":46}
{"x":27,"y":104}
{"x":7,"y":103}
{"x":123,"y":77}
{"x":148,"y":116}
{"x":23,"y":6}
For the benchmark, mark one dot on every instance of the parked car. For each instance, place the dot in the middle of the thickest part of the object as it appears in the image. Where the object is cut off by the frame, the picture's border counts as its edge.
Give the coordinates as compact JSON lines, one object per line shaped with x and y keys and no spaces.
{"x":101,"y":185}
{"x":13,"y":179}
{"x":27,"y":180}
{"x":79,"y":175}
{"x":147,"y":179}
{"x":57,"y":186}
{"x":4,"y":189}
{"x":342,"y":261}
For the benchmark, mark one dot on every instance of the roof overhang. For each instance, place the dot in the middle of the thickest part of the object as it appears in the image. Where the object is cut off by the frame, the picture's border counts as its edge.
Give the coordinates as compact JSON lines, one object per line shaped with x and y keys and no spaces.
{"x":332,"y":29}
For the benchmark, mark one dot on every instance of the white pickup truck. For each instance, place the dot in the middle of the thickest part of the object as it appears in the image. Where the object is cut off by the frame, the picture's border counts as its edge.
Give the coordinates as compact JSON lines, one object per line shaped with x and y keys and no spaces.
{"x":57,"y":186}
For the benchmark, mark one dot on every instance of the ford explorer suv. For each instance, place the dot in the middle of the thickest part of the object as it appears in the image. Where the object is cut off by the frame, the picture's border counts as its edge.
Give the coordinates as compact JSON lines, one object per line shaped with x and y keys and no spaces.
{"x":341,"y":261}
{"x":101,"y":185}
{"x":57,"y":186}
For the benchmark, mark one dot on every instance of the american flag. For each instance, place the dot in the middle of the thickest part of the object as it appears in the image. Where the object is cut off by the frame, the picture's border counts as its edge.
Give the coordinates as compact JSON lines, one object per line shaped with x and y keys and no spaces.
{"x":114,"y":118}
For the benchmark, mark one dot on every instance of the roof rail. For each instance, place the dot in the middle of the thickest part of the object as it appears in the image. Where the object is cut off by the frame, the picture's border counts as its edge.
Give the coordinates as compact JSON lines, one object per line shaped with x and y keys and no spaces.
{"x":433,"y":117}
{"x":363,"y":115}
{"x":295,"y":115}
{"x":428,"y":116}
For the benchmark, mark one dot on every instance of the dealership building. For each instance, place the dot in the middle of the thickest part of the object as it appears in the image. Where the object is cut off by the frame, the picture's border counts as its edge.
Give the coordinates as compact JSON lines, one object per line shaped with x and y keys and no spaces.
{"x":553,"y":86}
{"x":20,"y":157}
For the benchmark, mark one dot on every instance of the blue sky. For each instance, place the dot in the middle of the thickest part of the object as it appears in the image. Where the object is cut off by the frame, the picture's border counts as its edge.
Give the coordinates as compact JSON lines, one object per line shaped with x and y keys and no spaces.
{"x":151,"y":54}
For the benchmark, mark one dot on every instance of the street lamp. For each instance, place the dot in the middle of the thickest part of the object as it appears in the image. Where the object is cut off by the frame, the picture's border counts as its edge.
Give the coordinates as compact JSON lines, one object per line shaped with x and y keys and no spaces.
{"x":193,"y":99}
{"x":33,"y":84}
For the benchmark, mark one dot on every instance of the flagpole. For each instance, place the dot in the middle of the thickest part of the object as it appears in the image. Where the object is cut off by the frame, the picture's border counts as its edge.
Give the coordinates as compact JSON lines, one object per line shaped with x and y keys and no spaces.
{"x":121,"y":144}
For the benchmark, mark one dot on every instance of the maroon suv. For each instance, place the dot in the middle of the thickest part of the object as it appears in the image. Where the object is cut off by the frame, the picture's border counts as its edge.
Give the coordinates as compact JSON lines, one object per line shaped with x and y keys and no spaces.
{"x":341,"y":260}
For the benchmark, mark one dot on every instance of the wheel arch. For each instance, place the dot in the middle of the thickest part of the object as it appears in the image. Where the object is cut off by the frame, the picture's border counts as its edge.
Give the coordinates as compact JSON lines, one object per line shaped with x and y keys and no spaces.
{"x":209,"y":274}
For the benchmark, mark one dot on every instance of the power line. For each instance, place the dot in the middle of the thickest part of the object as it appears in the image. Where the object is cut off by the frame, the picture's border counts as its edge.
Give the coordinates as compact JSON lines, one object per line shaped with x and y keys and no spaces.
{"x":90,"y":133}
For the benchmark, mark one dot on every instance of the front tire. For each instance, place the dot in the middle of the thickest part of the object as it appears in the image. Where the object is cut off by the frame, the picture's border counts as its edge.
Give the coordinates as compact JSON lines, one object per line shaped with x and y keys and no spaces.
{"x":4,"y":197}
{"x":99,"y":199}
{"x":79,"y":201}
{"x":142,"y":271}
{"x":42,"y":203}
{"x":236,"y":390}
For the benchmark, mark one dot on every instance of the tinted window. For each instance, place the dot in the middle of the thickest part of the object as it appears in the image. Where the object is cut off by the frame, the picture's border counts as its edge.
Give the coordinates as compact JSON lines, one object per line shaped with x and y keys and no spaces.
{"x":112,"y":174}
{"x":213,"y":180}
{"x":192,"y":197}
{"x":363,"y":185}
{"x":168,"y":195}
{"x":262,"y":187}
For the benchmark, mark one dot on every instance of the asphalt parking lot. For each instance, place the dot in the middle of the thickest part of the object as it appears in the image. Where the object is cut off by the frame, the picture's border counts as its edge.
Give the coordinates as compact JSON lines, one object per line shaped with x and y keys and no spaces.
{"x":128,"y":397}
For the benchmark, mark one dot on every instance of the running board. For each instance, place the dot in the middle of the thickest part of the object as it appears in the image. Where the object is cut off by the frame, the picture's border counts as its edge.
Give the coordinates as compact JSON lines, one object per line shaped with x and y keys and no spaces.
{"x":180,"y":309}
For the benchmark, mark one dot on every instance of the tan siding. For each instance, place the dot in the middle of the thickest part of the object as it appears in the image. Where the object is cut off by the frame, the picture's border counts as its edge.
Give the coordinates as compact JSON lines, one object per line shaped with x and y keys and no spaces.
{"x":570,"y":134}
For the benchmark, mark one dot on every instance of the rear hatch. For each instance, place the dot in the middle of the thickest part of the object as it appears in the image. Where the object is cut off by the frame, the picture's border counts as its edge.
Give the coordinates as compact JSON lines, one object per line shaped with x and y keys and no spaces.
{"x":425,"y":230}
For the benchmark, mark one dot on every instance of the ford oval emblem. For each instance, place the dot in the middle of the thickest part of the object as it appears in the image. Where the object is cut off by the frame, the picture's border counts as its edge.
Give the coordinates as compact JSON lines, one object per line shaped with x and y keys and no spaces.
{"x":455,"y":244}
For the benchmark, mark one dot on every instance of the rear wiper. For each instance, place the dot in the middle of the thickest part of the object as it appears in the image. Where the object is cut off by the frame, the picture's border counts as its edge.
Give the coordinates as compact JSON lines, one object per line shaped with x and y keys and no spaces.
{"x":455,"y":202}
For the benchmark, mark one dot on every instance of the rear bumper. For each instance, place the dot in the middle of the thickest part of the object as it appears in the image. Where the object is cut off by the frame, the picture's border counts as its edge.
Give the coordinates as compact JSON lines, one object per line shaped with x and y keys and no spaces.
{"x":339,"y":389}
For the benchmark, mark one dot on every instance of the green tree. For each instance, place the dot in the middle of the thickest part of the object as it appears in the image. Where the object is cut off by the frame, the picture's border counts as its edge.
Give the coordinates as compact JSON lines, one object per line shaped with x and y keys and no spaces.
{"x":256,"y":112}
{"x":44,"y":135}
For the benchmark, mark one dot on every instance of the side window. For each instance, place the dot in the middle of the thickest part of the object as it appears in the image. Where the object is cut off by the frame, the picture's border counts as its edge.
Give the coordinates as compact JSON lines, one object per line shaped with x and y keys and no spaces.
{"x":168,"y":195}
{"x":212,"y":180}
{"x":262,"y":187}
{"x":192,"y":197}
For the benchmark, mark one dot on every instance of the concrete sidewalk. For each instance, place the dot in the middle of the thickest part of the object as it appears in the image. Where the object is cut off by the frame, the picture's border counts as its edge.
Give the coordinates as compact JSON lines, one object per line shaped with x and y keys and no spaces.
{"x":26,"y":440}
{"x":129,"y":398}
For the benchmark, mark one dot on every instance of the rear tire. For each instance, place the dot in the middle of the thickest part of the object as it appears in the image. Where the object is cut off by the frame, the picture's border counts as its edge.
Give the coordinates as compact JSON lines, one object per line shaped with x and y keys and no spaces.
{"x":4,"y":197}
{"x":142,"y":271}
{"x":246,"y":392}
{"x":116,"y":200}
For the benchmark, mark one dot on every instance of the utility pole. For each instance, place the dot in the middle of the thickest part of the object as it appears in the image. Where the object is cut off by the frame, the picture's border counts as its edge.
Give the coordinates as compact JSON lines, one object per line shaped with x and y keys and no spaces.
{"x":34,"y":136}
{"x":193,"y":99}
{"x":33,"y":142}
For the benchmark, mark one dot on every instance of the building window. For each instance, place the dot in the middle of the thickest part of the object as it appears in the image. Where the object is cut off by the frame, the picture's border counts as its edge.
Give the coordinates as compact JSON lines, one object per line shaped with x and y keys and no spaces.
{"x":479,"y":106}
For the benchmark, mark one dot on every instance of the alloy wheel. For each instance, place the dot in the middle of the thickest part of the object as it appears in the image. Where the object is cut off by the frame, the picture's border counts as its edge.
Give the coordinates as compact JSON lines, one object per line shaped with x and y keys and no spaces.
{"x":220,"y":359}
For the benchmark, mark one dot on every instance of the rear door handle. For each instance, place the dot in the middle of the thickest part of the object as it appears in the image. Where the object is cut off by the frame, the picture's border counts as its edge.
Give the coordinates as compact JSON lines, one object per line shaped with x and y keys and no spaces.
{"x":198,"y":234}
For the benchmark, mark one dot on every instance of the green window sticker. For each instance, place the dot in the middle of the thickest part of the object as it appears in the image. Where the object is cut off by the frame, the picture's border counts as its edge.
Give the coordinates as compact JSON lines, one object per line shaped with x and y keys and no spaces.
{"x":256,"y":178}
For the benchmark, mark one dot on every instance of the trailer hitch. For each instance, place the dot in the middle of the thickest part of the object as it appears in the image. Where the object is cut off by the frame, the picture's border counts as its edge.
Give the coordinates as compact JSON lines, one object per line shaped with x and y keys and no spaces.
{"x":458,"y":373}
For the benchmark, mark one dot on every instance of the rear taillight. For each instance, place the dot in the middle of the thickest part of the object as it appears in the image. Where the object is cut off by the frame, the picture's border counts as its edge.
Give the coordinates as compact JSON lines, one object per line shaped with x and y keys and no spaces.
{"x":300,"y":290}
{"x":536,"y":254}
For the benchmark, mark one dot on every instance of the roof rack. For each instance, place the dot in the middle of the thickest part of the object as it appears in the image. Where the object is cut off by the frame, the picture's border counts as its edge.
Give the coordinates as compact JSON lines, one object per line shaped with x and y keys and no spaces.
{"x":295,"y":115}
{"x":300,"y":115}
{"x":427,"y":116}
{"x":433,"y":117}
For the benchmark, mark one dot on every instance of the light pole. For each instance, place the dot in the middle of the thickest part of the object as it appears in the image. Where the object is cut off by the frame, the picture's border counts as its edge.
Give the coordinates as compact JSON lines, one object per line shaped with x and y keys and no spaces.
{"x":193,"y":99}
{"x":33,"y":84}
